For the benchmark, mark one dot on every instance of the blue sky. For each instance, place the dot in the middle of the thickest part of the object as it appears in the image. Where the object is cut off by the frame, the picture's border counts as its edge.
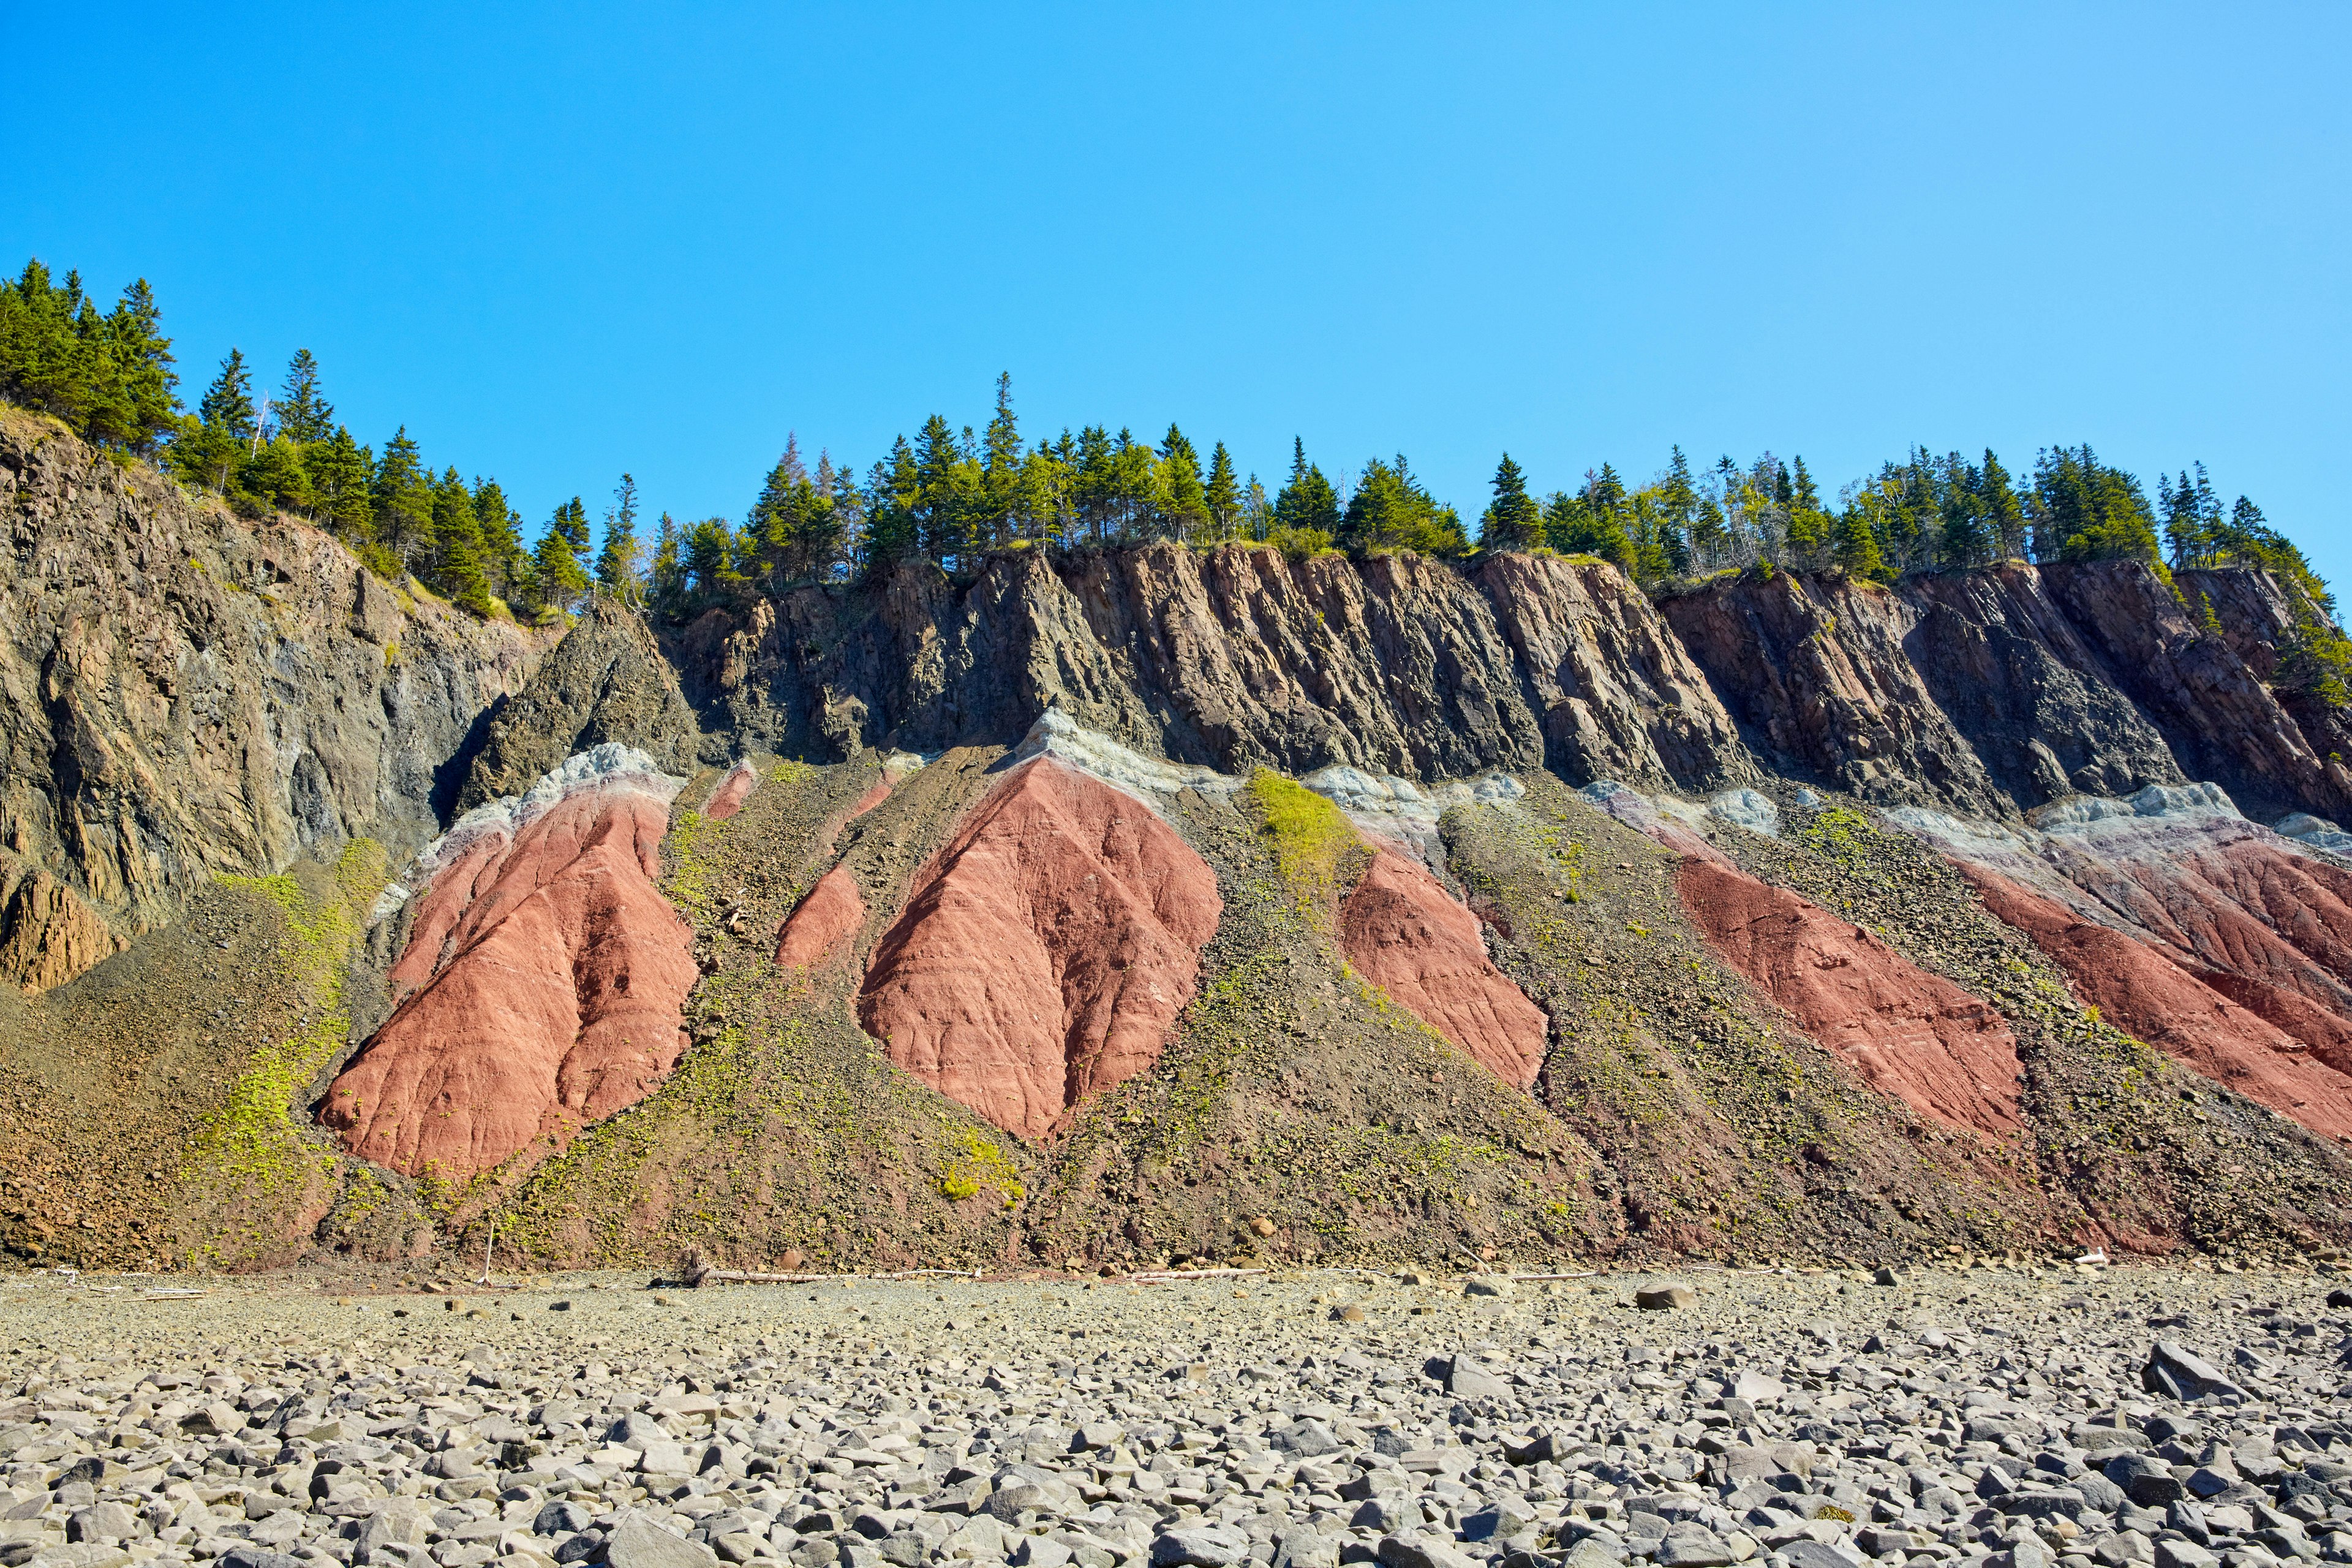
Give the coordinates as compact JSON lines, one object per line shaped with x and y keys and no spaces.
{"x":560,"y":242}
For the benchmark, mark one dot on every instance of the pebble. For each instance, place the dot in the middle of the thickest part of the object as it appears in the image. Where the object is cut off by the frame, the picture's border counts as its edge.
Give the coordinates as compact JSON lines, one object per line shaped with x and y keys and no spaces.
{"x":2137,"y":1418}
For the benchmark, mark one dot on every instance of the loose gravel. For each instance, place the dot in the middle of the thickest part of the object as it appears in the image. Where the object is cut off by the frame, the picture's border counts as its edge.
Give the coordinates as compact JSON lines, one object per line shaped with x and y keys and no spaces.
{"x":2020,"y":1417}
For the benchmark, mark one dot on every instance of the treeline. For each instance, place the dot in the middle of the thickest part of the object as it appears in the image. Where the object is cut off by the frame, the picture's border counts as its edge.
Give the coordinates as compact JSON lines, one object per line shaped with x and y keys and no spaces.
{"x":109,"y":378}
{"x":952,"y":496}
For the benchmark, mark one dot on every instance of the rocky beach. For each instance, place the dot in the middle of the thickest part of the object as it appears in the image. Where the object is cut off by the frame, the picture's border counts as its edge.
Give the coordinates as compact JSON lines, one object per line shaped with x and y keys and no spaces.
{"x":2017,"y":1415}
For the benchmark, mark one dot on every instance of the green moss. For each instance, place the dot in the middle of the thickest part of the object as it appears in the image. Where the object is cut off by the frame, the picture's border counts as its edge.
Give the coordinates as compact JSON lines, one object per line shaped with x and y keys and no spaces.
{"x":1320,"y":855}
{"x":972,"y":1162}
{"x":252,"y":1146}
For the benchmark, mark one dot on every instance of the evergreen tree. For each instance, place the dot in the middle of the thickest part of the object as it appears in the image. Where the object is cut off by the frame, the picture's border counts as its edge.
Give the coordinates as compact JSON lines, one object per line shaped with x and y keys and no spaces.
{"x":109,"y":378}
{"x":457,"y":565}
{"x":1512,"y":519}
{"x":1307,"y":506}
{"x":1220,"y":495}
{"x":342,"y":475}
{"x":558,"y":576}
{"x":1812,"y":535}
{"x":505,"y":561}
{"x":1856,"y":546}
{"x":2081,"y":510}
{"x":617,"y":563}
{"x":1187,"y":500}
{"x":304,"y":414}
{"x":402,"y":502}
{"x":277,"y":478}
{"x":893,"y":523}
{"x":228,"y":401}
{"x":666,"y":579}
{"x":1391,"y":511}
{"x":1997,"y":503}
{"x":1580,"y":524}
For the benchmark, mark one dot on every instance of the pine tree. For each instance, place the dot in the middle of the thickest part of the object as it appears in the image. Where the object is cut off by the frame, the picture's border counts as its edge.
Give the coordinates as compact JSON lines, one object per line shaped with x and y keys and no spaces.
{"x":304,"y":414}
{"x":666,"y":579}
{"x":558,"y":577}
{"x":402,"y":502}
{"x":617,"y":563}
{"x":1187,"y":498}
{"x":1220,"y":495}
{"x":227,"y":405}
{"x":1857,"y":549}
{"x":1512,"y":519}
{"x":456,"y":568}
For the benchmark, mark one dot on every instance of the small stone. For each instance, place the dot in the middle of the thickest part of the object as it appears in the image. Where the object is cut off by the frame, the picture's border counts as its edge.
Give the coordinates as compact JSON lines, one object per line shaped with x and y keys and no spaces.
{"x":1665,"y":1297}
{"x":1496,"y":1285}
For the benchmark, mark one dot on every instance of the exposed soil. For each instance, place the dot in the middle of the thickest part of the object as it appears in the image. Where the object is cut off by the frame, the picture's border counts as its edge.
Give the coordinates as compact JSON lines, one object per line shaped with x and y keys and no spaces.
{"x":821,"y":922}
{"x":1909,"y":1034}
{"x":1045,"y":952}
{"x":2145,"y":993}
{"x":734,"y":787}
{"x":542,"y":984}
{"x":1406,"y":935}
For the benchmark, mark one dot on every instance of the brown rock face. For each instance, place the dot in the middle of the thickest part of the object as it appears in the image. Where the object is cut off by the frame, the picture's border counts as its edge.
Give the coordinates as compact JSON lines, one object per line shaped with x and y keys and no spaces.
{"x":2146,"y":995}
{"x":1907,"y":1032}
{"x":1232,"y":657}
{"x":540,"y":990}
{"x":184,"y":694}
{"x":1405,"y":934}
{"x":1619,"y":697}
{"x":2221,"y":721}
{"x":1816,"y":671}
{"x":47,"y":935}
{"x":826,"y":917}
{"x":1045,"y":950}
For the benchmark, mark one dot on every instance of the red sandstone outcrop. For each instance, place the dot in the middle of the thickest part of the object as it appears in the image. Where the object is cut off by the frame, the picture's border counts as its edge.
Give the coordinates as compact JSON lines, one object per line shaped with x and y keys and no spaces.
{"x":2146,"y":995}
{"x":1404,"y":933}
{"x":733,"y":788}
{"x":828,"y":915}
{"x":1045,"y":951}
{"x":540,"y":988}
{"x":1907,"y":1032}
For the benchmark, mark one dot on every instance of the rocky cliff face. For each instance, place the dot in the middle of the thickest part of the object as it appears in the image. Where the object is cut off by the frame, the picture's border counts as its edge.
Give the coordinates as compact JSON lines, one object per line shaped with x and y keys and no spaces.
{"x":184,"y":695}
{"x":956,"y":921}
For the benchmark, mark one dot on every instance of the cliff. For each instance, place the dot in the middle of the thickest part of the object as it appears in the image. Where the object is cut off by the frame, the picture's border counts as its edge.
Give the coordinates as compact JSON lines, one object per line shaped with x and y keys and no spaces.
{"x":185,"y":696}
{"x":1091,"y":905}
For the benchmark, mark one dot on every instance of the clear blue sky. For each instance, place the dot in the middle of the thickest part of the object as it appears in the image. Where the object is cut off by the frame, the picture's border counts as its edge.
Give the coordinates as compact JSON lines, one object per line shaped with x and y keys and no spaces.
{"x":560,"y":242}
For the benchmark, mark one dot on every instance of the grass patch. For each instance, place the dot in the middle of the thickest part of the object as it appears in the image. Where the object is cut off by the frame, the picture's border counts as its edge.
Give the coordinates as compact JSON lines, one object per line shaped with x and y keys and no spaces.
{"x":1318,"y":853}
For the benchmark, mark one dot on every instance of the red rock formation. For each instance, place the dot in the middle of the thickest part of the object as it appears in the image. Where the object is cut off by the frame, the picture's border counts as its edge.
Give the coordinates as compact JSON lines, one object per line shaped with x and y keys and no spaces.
{"x":2146,"y":995}
{"x":1045,"y":951}
{"x":827,"y":915}
{"x":540,"y":990}
{"x":1405,"y":934}
{"x":1909,"y":1033}
{"x":727,"y":795}
{"x":876,"y":794}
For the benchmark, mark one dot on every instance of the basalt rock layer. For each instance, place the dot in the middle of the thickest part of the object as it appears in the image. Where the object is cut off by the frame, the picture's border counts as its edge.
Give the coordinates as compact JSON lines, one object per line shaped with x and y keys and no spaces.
{"x":184,"y":695}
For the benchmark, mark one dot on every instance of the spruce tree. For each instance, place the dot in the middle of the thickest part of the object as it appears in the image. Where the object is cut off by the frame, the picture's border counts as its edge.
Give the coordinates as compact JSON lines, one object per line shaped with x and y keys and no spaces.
{"x":1186,"y":498}
{"x":342,"y":475}
{"x":1997,"y":503}
{"x":617,"y":563}
{"x":402,"y":502}
{"x":558,"y":577}
{"x":505,"y":561}
{"x":1857,"y":549}
{"x":1307,"y":506}
{"x":1512,"y":519}
{"x":1222,"y":495}
{"x":456,"y":568}
{"x":304,"y":414}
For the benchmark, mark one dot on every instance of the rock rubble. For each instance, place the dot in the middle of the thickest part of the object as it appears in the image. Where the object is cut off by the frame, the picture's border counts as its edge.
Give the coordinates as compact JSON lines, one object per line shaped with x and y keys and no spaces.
{"x":2013,"y":1417}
